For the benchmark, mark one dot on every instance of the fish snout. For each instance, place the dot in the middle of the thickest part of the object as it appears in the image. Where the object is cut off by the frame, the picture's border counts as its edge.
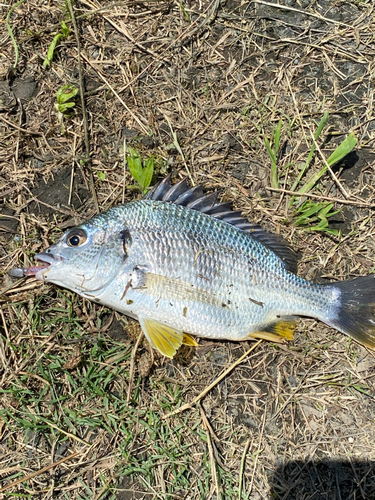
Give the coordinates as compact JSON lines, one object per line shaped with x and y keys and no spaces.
{"x":43,"y":262}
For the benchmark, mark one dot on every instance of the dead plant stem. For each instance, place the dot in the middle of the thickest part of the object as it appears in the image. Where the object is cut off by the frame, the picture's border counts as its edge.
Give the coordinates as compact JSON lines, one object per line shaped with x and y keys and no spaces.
{"x":88,"y":164}
{"x":39,"y":472}
{"x":321,"y":197}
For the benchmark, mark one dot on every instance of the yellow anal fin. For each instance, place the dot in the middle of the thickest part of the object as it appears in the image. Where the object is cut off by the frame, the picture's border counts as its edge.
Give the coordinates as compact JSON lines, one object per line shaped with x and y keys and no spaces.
{"x":187,"y":340}
{"x":165,"y":339}
{"x":279,"y":331}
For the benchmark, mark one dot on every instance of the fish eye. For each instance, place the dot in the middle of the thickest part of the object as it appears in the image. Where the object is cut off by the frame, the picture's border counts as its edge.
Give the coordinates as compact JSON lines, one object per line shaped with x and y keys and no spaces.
{"x":76,"y":237}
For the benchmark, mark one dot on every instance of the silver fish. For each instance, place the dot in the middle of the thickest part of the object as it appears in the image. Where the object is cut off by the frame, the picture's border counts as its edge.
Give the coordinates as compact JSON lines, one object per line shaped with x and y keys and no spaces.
{"x":182,"y":264}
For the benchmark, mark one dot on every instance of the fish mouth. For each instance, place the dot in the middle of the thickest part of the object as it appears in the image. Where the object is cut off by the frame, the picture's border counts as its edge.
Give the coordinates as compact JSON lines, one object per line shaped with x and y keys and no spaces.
{"x":44,"y":261}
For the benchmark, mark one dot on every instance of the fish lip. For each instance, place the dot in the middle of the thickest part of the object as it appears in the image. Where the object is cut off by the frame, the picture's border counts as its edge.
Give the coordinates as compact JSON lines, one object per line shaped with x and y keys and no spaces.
{"x":48,"y":258}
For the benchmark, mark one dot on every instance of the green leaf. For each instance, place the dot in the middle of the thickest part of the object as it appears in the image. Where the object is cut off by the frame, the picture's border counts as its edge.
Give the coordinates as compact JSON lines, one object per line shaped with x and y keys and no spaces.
{"x":324,"y":212}
{"x":321,"y":125}
{"x":325,"y":229}
{"x":47,"y":61}
{"x":270,"y":152}
{"x":340,"y":152}
{"x":142,"y":171}
{"x":277,"y":137}
{"x":64,"y":29}
{"x":68,"y":105}
{"x":64,"y":32}
{"x":101,"y":175}
{"x":65,"y":93}
{"x":64,"y":103}
{"x":148,"y":172}
{"x":135,"y":164}
{"x":314,"y":216}
{"x":343,"y":149}
{"x":364,"y":390}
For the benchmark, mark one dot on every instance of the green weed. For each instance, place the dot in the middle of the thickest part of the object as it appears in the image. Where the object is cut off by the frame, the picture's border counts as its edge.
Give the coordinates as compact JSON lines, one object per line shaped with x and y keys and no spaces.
{"x":311,"y":215}
{"x":64,"y":98}
{"x":343,"y":149}
{"x":184,"y":11}
{"x":318,"y":213}
{"x":321,"y":125}
{"x":64,"y":103}
{"x":64,"y":32}
{"x":273,"y":152}
{"x":314,"y":215}
{"x":142,"y":170}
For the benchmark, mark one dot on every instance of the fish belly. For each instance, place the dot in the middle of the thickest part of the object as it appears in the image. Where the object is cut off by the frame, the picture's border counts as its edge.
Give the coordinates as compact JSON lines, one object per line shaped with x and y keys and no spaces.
{"x":194,"y":310}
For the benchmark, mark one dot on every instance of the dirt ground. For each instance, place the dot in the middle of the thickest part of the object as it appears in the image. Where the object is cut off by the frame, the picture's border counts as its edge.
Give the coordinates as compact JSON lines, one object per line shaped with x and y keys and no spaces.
{"x":199,"y":85}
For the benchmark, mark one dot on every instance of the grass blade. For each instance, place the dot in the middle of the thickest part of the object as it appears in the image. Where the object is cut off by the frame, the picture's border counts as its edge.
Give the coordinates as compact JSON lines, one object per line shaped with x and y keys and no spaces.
{"x":347,"y":145}
{"x":321,"y":125}
{"x":340,"y":152}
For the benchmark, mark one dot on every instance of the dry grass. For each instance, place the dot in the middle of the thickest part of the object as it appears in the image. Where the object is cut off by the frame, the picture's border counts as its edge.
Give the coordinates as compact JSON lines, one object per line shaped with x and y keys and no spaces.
{"x":286,"y":423}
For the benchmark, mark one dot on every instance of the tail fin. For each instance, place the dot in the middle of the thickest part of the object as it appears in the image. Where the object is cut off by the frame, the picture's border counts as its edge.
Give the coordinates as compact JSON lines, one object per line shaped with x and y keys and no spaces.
{"x":356,"y":313}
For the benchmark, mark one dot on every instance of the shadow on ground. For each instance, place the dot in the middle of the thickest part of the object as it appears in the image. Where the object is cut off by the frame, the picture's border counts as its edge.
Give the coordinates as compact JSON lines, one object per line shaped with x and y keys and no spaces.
{"x":332,"y":479}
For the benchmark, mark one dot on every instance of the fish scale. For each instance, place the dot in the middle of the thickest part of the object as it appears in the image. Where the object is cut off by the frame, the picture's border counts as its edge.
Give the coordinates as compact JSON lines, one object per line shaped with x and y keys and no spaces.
{"x":181,"y":263}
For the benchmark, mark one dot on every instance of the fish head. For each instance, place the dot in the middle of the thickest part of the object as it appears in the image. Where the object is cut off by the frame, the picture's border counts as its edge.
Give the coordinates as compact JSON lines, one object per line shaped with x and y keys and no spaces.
{"x":86,"y":258}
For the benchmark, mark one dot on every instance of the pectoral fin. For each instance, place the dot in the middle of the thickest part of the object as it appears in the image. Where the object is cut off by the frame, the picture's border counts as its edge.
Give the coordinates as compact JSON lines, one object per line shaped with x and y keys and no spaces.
{"x":165,"y":339}
{"x":187,"y":340}
{"x":278,"y":331}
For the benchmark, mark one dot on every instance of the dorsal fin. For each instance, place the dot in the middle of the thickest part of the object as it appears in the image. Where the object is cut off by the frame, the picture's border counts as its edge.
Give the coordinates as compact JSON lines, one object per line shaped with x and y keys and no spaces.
{"x":182,"y":194}
{"x":159,"y":190}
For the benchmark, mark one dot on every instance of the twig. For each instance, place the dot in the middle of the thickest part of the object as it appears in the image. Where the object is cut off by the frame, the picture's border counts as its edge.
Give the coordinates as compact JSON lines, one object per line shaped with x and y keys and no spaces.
{"x":304,"y":12}
{"x":25,"y":131}
{"x":31,"y":286}
{"x":234,"y":89}
{"x":256,"y":456}
{"x":211,"y":452}
{"x":3,"y":358}
{"x":69,"y":434}
{"x":209,"y":11}
{"x":72,"y":172}
{"x":178,"y":147}
{"x":242,"y":468}
{"x":214,"y":383}
{"x":297,"y":109}
{"x":321,"y":197}
{"x":104,"y":489}
{"x":57,"y":209}
{"x":83,"y":105}
{"x":37,"y":473}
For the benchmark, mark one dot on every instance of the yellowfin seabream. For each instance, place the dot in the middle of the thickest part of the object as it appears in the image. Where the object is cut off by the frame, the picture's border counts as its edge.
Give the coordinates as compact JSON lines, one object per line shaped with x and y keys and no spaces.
{"x":181,"y":263}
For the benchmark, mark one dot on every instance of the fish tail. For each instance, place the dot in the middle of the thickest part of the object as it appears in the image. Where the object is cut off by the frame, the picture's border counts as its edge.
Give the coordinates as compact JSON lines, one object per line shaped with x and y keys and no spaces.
{"x":356,"y":309}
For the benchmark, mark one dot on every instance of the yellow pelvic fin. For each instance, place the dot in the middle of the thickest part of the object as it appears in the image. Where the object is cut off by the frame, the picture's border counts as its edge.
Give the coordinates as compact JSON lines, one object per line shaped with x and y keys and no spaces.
{"x":266,"y":336}
{"x":162,"y":337}
{"x":279,"y":331}
{"x":187,"y":340}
